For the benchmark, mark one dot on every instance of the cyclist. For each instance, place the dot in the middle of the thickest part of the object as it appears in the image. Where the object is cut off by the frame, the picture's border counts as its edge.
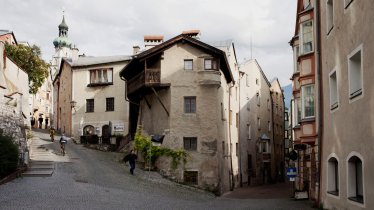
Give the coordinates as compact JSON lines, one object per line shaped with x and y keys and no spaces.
{"x":52,"y":134}
{"x":63,"y":141}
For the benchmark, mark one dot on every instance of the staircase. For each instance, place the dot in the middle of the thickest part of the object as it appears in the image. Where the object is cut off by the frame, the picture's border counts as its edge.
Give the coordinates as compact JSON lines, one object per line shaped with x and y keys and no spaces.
{"x":39,"y":169}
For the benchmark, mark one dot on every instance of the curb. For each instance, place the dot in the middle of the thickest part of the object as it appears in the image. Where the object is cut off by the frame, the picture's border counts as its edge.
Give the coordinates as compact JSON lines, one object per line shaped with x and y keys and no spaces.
{"x":14,"y":175}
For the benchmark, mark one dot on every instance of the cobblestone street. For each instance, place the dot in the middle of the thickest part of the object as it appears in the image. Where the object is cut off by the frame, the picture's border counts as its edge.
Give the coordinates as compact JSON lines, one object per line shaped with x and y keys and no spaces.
{"x":90,"y":179}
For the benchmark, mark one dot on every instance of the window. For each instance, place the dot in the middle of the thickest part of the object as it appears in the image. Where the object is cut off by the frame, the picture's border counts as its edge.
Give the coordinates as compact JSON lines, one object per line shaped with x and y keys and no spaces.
{"x":329,"y":15}
{"x":258,"y":98}
{"x":188,"y":64}
{"x":109,"y":104}
{"x":90,"y":105}
{"x":190,"y":177}
{"x":355,"y":73}
{"x":306,"y":4}
{"x":264,"y":147}
{"x":347,"y":3}
{"x":307,"y":101}
{"x":258,"y":123}
{"x":333,"y":91}
{"x":269,"y":126}
{"x":249,"y":131}
{"x":333,"y":176}
{"x":298,"y":110}
{"x":256,"y":81}
{"x":190,"y":143}
{"x":296,"y":54}
{"x":223,"y":148}
{"x":222,"y":112}
{"x":237,"y":149}
{"x":210,"y":64}
{"x":190,"y":104}
{"x":247,"y":81}
{"x":355,"y":180}
{"x":101,"y":76}
{"x":268,"y":104}
{"x":237,"y":119}
{"x":307,"y":37}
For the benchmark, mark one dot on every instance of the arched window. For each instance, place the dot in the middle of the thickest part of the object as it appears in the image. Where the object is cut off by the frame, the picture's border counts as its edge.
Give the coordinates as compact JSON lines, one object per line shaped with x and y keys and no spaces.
{"x":88,"y":130}
{"x":333,"y":176}
{"x":355,"y":179}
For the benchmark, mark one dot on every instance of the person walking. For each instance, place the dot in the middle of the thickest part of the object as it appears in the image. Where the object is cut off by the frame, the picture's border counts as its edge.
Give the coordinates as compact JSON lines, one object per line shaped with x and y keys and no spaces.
{"x":131,"y":158}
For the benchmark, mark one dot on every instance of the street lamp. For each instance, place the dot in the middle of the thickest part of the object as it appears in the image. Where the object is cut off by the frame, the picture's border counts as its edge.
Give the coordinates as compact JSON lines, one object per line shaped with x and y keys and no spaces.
{"x":73,"y":104}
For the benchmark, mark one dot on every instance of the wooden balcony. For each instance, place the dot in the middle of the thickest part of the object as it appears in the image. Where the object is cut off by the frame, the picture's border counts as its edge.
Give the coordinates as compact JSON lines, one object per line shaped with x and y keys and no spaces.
{"x":145,"y":78}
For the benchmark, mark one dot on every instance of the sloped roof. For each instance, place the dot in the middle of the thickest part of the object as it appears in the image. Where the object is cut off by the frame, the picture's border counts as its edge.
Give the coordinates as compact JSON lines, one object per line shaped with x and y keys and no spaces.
{"x":91,"y":60}
{"x":225,"y":67}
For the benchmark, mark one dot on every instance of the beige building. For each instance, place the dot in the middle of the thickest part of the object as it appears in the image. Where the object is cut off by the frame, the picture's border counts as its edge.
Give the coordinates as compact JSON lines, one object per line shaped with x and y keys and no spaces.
{"x":305,"y":111}
{"x":256,"y":130}
{"x":185,"y":90}
{"x":14,"y":87}
{"x":348,"y":104}
{"x":278,"y":123}
{"x":88,"y":101}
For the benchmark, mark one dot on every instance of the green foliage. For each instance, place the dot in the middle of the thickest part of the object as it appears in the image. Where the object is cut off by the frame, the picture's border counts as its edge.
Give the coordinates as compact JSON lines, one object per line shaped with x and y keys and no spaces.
{"x":29,"y":59}
{"x":8,"y":156}
{"x":144,"y":144}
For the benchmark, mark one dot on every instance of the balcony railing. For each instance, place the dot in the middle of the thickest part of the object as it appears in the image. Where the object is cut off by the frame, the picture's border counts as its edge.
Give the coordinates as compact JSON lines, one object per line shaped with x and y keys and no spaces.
{"x":147,"y":77}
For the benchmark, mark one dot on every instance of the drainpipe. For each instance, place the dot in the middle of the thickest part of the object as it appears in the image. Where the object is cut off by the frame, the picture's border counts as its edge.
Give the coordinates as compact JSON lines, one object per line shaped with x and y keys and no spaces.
{"x":320,"y":99}
{"x":126,"y":92}
{"x":239,"y":141}
{"x":231,"y":168}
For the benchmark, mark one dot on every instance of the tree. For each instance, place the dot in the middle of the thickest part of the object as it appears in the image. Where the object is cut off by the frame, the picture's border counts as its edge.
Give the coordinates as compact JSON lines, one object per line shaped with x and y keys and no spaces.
{"x":29,"y":59}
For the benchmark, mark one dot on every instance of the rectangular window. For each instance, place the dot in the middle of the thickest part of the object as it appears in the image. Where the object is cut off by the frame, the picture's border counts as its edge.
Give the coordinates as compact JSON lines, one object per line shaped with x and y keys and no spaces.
{"x":101,"y":76}
{"x":190,"y":143}
{"x":90,"y":105}
{"x":210,"y":64}
{"x":109,"y":104}
{"x":258,"y":123}
{"x":237,"y":119}
{"x":188,"y":64}
{"x":307,"y":101}
{"x":306,"y":4}
{"x":190,"y":104}
{"x":298,"y":111}
{"x":333,"y":91}
{"x":230,"y":117}
{"x":355,"y":73}
{"x":249,"y":132}
{"x":247,"y":80}
{"x":329,"y":15}
{"x":258,"y":98}
{"x":268,"y":104}
{"x":269,"y":126}
{"x":307,"y":37}
{"x":296,"y":53}
{"x":237,"y":149}
{"x":190,"y":177}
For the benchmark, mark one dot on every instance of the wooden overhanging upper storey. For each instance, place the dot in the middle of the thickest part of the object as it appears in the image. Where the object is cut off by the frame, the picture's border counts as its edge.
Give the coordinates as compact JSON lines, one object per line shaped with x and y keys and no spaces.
{"x":144,"y":70}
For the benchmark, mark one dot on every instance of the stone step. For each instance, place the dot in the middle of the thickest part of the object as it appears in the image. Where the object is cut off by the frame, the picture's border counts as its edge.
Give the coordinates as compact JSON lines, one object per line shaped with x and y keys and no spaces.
{"x":40,"y":167}
{"x":38,"y":173}
{"x":36,"y":162}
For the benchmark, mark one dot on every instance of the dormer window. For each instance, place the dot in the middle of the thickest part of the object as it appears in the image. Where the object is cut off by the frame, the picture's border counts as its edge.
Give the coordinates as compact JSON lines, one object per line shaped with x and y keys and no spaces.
{"x":210,"y":64}
{"x":101,"y":77}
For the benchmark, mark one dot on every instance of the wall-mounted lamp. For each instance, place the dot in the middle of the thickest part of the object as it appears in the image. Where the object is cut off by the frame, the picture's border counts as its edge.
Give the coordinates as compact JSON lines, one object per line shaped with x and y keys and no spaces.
{"x":73,"y":104}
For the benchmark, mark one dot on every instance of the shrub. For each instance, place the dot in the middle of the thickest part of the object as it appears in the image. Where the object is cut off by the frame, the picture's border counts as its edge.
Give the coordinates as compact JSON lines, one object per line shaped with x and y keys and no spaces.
{"x":8,"y":156}
{"x":143,"y":144}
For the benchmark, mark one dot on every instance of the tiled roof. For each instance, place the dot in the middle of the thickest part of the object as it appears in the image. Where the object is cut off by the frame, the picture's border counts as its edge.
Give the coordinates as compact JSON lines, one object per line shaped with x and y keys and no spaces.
{"x":3,"y":32}
{"x":90,"y":60}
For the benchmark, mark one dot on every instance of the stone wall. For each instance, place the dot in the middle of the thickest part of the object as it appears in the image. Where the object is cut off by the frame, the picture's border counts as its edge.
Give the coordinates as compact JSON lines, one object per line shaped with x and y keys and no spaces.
{"x":11,"y":124}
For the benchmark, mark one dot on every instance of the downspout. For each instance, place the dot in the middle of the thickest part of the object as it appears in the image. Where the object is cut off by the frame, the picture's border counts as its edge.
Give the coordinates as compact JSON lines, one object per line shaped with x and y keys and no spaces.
{"x":239,"y":141}
{"x":273,"y":139}
{"x":320,"y":100}
{"x":126,"y":92}
{"x":231,"y":168}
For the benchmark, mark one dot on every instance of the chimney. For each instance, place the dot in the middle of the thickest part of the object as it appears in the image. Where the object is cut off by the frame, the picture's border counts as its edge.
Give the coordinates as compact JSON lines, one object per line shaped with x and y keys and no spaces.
{"x":152,"y":40}
{"x":135,"y":50}
{"x":74,"y":53}
{"x":192,"y":33}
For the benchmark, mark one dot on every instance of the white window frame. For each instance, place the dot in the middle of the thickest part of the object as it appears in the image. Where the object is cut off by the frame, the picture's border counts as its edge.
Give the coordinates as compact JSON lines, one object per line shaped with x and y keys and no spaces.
{"x":349,"y":179}
{"x":332,"y":183}
{"x":296,"y":53}
{"x":186,"y":64}
{"x":334,"y":91}
{"x":356,"y":93}
{"x":302,"y":51}
{"x":303,"y":102}
{"x":329,"y":16}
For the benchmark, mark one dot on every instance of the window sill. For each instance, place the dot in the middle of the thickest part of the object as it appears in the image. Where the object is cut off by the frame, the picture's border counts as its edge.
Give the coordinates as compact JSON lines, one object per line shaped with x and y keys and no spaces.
{"x":357,"y":199}
{"x":334,"y":106}
{"x":309,"y":119}
{"x":89,"y":112}
{"x":335,"y":193}
{"x":355,"y":94}
{"x":99,"y":84}
{"x":109,"y":111}
{"x":329,"y":30}
{"x":346,"y":6}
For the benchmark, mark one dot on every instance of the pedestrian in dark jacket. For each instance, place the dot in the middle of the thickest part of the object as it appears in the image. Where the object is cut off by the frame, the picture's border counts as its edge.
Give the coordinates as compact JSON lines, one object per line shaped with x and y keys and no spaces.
{"x":131,"y":158}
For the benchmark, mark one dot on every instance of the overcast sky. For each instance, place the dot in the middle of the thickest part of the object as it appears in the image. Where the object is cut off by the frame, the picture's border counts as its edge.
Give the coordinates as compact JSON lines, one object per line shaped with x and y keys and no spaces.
{"x":112,"y":27}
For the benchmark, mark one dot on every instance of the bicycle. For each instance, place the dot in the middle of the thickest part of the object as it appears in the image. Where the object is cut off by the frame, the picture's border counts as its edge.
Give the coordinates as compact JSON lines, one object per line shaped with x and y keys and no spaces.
{"x":62,"y":148}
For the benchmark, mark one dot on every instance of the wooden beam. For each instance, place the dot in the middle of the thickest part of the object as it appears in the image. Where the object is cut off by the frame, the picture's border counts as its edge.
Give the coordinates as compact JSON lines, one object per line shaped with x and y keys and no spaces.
{"x":158,"y":98}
